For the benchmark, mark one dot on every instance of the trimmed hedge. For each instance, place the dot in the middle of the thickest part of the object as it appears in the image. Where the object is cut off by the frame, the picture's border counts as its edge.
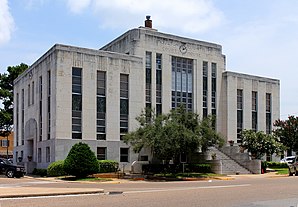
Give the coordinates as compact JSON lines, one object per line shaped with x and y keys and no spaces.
{"x":40,"y":172}
{"x":56,"y":169}
{"x":106,"y":166}
{"x":277,"y":164}
{"x":176,"y":168}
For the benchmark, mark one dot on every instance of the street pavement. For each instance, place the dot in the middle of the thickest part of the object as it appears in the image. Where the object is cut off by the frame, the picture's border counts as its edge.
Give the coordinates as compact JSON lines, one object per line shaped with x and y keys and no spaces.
{"x":32,"y":186}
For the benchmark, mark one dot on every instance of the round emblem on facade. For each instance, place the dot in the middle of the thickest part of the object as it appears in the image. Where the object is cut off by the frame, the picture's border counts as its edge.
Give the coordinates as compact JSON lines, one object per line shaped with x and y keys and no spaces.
{"x":183,"y":49}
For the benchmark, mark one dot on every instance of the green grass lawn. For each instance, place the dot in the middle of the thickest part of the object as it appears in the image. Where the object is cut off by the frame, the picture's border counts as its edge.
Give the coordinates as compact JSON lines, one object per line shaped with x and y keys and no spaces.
{"x":281,"y":171}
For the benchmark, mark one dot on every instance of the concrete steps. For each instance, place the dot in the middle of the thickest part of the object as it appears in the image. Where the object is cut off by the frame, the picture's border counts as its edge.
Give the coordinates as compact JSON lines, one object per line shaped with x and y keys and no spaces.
{"x":229,"y":166}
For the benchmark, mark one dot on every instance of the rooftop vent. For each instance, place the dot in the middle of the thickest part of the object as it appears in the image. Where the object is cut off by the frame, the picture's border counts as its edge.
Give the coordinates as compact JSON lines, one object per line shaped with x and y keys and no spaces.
{"x":148,"y":22}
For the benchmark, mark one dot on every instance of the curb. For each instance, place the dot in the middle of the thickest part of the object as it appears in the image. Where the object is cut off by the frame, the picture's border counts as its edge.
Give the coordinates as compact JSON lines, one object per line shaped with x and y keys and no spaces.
{"x":50,"y":194}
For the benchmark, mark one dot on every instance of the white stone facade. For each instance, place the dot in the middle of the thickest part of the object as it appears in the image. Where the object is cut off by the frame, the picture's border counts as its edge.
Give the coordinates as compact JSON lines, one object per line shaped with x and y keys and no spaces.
{"x":125,"y":55}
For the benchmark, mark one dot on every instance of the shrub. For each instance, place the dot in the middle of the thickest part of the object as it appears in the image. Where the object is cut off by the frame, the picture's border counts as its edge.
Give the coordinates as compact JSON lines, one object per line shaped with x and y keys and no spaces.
{"x":81,"y":161}
{"x":200,"y":168}
{"x":108,"y":166}
{"x":56,"y":169}
{"x":277,"y":164}
{"x":40,"y":172}
{"x":176,"y":168}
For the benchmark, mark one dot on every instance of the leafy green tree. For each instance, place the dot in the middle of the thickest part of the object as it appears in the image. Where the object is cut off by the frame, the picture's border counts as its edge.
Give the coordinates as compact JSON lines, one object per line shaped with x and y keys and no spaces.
{"x":173,"y":134}
{"x":6,"y":98}
{"x":259,"y":143}
{"x":287,"y":131}
{"x":81,"y":161}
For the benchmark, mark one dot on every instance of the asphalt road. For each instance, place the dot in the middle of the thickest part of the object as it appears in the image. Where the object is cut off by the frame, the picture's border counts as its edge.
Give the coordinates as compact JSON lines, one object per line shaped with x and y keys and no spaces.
{"x":244,"y":191}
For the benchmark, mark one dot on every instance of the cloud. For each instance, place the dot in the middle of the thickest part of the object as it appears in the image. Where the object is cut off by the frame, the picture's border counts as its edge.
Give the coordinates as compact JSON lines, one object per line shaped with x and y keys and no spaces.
{"x":189,"y":16}
{"x":6,"y":22}
{"x":77,"y":6}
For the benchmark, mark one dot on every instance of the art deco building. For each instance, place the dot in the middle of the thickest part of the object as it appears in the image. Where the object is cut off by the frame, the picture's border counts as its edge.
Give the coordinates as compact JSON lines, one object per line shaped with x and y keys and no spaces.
{"x":73,"y":94}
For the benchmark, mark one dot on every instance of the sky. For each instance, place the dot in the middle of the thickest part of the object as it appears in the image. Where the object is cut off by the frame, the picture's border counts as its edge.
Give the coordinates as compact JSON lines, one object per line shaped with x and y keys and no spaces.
{"x":259,"y":37}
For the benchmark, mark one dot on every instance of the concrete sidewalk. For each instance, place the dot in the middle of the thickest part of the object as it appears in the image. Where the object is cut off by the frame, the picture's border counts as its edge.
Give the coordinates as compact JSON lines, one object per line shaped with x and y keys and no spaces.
{"x":40,"y":191}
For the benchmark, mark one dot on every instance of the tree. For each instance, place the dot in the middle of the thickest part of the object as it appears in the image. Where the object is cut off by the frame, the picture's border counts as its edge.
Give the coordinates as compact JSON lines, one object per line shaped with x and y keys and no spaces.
{"x":81,"y":161}
{"x":173,"y":134}
{"x":6,"y":98}
{"x":287,"y":131}
{"x":259,"y":143}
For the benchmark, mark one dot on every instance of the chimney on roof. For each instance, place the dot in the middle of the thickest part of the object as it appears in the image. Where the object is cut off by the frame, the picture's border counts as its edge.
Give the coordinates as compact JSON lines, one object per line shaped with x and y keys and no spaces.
{"x":148,"y":22}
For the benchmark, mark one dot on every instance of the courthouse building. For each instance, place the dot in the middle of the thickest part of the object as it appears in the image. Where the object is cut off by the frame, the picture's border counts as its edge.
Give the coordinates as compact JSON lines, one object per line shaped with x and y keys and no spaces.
{"x":72,"y":94}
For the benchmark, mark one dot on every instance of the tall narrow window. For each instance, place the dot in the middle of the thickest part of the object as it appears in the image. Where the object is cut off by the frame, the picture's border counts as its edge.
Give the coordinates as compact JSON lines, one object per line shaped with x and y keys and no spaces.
{"x":49,"y":106}
{"x":182,"y":73}
{"x":29,"y":94}
{"x":239,"y":114}
{"x":254,"y":111}
{"x":158,"y":84}
{"x":268,"y":114}
{"x":124,"y":104}
{"x":48,"y":154}
{"x":205,"y":89}
{"x":40,"y":108}
{"x":148,"y":79}
{"x":101,"y":106}
{"x":32,"y":92}
{"x":39,"y":155}
{"x":76,"y":103}
{"x":17,"y":121}
{"x":213,"y":88}
{"x":23,"y":118}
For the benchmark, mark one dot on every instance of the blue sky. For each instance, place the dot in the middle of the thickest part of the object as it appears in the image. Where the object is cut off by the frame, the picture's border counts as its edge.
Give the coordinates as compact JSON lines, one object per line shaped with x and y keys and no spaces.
{"x":259,"y":37}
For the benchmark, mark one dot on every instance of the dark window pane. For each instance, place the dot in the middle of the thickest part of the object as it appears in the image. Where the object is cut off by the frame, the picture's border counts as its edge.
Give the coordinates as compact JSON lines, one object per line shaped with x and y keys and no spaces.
{"x":77,"y":135}
{"x":101,"y":104}
{"x":123,"y":106}
{"x":76,"y":102}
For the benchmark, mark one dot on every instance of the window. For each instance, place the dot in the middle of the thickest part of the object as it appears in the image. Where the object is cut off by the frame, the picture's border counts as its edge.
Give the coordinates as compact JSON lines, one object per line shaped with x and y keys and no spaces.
{"x":49,"y":105}
{"x":101,"y":153}
{"x":124,"y":154}
{"x":182,"y":72}
{"x":76,"y":103}
{"x":158,"y":84}
{"x":144,"y":158}
{"x":213,"y":88}
{"x":16,"y":157}
{"x":124,"y":104}
{"x":39,"y":155}
{"x":29,"y":94}
{"x":5,"y":143}
{"x":101,"y":106}
{"x":205,"y":89}
{"x":33,"y":92}
{"x":23,"y":117}
{"x":48,"y":154}
{"x":239,"y":114}
{"x":40,"y":108}
{"x":148,"y":76}
{"x":268,"y":114}
{"x":254,"y":111}
{"x":17,"y":121}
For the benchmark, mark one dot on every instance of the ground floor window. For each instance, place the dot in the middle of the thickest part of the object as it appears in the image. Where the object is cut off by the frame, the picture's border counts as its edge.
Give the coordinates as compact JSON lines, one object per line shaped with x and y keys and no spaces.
{"x":48,"y":154}
{"x":101,"y":153}
{"x":39,"y":155}
{"x":124,"y":154}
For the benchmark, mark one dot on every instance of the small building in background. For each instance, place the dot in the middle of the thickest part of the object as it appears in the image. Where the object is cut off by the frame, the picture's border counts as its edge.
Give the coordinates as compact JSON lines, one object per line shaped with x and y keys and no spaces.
{"x":6,"y":146}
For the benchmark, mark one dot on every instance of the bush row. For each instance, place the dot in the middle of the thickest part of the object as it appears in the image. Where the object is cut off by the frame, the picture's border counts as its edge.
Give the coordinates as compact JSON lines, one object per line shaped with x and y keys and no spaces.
{"x":56,"y":169}
{"x":176,"y":168}
{"x":277,"y":164}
